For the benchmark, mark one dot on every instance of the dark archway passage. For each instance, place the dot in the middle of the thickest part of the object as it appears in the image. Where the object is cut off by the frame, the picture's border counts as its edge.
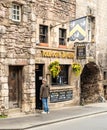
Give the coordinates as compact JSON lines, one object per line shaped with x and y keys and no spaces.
{"x":90,"y":88}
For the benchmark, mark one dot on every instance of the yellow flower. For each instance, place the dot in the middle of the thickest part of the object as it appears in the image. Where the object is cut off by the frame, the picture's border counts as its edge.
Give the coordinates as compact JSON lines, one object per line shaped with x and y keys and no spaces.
{"x":54,"y":68}
{"x":76,"y":68}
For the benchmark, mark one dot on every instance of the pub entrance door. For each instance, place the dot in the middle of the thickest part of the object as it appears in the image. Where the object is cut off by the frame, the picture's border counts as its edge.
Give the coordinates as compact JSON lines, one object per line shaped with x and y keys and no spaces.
{"x":15,"y":86}
{"x":38,"y":83}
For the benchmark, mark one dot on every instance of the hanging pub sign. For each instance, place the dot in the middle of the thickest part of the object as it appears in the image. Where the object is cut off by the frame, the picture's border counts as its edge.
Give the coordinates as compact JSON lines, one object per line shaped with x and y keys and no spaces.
{"x":81,"y":52}
{"x":77,"y":29}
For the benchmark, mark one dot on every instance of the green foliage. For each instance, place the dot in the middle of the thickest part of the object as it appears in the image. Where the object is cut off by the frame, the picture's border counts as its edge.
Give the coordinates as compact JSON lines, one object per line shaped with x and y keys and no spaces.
{"x":54,"y":68}
{"x":76,"y":68}
{"x":3,"y":116}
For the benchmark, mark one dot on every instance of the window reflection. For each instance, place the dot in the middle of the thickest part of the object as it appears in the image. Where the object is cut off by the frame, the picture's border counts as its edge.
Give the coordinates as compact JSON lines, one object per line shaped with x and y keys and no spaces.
{"x":62,"y":78}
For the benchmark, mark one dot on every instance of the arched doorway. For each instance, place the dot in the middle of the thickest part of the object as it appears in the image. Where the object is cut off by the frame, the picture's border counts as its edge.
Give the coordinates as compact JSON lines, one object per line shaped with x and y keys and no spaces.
{"x":89,"y":82}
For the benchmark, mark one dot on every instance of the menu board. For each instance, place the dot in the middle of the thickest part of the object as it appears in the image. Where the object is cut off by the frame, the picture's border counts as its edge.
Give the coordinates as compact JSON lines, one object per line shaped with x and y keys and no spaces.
{"x":54,"y":96}
{"x":62,"y":95}
{"x":58,"y":96}
{"x":68,"y":95}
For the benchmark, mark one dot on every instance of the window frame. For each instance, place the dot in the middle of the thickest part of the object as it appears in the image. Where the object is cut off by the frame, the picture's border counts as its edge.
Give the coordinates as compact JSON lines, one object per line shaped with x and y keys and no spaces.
{"x":43,"y":33}
{"x":62,"y":36}
{"x":16,"y":11}
{"x":61,"y":79}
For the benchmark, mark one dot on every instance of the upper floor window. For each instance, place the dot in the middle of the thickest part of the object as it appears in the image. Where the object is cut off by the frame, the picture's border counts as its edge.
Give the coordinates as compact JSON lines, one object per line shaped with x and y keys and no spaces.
{"x":43,"y":34}
{"x":16,"y":12}
{"x":62,"y":36}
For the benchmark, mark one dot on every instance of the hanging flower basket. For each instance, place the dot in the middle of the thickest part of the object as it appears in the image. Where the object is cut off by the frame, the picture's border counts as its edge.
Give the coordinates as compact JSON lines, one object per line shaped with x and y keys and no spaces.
{"x":54,"y":68}
{"x":76,"y":68}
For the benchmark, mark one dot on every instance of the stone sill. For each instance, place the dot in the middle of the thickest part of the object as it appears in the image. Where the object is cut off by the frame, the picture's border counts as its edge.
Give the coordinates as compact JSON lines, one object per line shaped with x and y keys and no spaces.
{"x":61,"y":87}
{"x":44,"y":44}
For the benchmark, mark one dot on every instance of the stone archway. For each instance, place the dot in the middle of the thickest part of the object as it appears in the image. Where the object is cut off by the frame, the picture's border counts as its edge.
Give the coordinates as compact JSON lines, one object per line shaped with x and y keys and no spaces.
{"x":90,"y":85}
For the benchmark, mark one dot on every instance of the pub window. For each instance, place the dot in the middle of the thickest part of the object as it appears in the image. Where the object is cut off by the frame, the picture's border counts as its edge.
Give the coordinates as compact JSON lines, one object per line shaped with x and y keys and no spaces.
{"x":43,"y":34}
{"x":81,"y":52}
{"x":62,"y":36}
{"x":62,"y":78}
{"x":16,"y":12}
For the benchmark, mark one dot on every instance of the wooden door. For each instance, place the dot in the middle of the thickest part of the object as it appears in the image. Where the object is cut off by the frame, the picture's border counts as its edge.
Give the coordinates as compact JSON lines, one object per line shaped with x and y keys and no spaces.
{"x":15,"y":85}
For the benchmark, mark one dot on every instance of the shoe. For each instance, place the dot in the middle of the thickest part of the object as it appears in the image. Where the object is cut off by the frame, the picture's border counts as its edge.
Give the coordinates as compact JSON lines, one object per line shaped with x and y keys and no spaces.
{"x":43,"y":112}
{"x":48,"y":112}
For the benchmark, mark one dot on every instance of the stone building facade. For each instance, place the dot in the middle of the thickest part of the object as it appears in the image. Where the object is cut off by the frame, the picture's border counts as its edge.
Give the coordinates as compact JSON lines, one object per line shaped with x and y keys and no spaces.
{"x":53,"y":17}
{"x":95,"y":43}
{"x":34,"y":33}
{"x":29,"y":41}
{"x":17,"y":55}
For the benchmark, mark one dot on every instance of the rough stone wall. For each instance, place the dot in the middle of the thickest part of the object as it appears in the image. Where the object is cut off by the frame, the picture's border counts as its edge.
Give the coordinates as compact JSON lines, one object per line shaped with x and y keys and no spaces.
{"x":17,"y":41}
{"x":55,"y":9}
{"x":98,"y":49}
{"x":17,"y":47}
{"x":56,"y":14}
{"x":101,"y":44}
{"x":90,"y":83}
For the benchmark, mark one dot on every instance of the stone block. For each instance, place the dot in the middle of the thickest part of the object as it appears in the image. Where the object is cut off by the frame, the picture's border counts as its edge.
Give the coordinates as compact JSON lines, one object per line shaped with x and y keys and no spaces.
{"x":33,"y":17}
{"x":32,"y":91}
{"x":2,"y":29}
{"x":33,"y":40}
{"x":6,"y":99}
{"x":25,"y":18}
{"x":25,"y":107}
{"x":2,"y":54}
{"x":2,"y":48}
{"x":33,"y":27}
{"x":32,"y":51}
{"x":4,"y":80}
{"x":4,"y":93}
{"x":31,"y":61}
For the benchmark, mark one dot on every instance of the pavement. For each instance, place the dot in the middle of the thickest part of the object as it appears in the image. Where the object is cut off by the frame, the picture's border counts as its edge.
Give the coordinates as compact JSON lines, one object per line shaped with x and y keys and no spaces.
{"x":27,"y":122}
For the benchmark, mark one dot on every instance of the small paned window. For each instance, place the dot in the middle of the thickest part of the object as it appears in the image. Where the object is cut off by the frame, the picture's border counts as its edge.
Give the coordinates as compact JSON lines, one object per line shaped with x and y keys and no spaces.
{"x":62,"y":36}
{"x":16,"y":12}
{"x":43,"y":34}
{"x":62,"y":78}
